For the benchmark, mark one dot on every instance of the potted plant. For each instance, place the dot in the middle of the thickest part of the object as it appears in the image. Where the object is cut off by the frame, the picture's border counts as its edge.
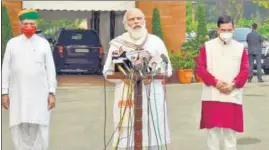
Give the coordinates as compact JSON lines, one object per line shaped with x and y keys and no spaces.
{"x":193,"y":45}
{"x":174,"y":59}
{"x":185,"y":67}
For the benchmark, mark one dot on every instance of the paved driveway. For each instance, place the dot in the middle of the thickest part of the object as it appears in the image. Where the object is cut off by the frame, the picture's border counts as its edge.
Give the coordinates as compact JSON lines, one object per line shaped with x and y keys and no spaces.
{"x":78,"y":120}
{"x":80,"y":80}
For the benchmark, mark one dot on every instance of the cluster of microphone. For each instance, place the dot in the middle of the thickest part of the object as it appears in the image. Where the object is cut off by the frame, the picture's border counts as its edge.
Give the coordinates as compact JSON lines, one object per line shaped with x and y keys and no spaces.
{"x":140,"y":62}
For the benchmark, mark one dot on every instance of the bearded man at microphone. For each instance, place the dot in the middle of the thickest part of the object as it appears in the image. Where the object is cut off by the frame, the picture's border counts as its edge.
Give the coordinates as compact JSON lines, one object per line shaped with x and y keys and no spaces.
{"x":134,"y":39}
{"x":224,"y":68}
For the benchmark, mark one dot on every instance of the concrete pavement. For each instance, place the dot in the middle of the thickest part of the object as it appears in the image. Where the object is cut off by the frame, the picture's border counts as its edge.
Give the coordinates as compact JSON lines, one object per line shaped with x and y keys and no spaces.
{"x":78,"y":120}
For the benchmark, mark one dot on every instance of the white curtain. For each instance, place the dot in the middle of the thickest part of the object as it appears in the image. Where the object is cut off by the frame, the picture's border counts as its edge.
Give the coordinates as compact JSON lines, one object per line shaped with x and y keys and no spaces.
{"x":104,"y":34}
{"x":53,"y":15}
{"x":119,"y":27}
{"x":104,"y":29}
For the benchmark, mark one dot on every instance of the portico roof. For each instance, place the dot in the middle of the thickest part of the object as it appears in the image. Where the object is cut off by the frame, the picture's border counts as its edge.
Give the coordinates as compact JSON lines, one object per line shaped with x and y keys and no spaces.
{"x":79,"y":5}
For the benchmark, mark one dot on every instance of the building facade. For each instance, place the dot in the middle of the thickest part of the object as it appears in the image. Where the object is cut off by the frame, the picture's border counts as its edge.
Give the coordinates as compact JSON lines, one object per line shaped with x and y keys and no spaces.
{"x":172,"y":17}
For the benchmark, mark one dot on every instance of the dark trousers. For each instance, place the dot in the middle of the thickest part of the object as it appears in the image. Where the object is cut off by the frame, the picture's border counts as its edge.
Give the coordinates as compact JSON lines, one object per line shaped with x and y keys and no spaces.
{"x":258,"y":59}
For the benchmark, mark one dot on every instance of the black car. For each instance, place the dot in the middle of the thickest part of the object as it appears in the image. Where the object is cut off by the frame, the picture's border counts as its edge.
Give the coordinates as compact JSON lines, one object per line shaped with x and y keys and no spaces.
{"x":78,"y":50}
{"x":47,"y":37}
{"x":266,"y":59}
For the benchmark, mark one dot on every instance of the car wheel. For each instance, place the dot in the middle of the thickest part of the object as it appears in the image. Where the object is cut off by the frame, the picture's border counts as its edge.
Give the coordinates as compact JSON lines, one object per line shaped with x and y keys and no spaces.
{"x":266,"y":71}
{"x":58,"y":72}
{"x":99,"y":71}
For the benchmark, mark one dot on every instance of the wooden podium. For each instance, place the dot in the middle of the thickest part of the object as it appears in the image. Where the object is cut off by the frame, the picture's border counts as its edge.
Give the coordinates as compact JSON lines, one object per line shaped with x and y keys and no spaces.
{"x":138,"y":102}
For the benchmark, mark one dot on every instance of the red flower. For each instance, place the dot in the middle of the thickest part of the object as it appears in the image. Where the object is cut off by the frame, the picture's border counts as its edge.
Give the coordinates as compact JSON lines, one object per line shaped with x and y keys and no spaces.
{"x":183,"y":55}
{"x":195,"y":58}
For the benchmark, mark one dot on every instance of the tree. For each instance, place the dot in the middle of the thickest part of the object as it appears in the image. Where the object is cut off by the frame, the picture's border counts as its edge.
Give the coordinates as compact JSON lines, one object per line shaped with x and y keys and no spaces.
{"x":235,"y":9}
{"x":221,"y":7}
{"x":50,"y":27}
{"x":201,"y":28}
{"x":190,"y":25}
{"x":156,"y":24}
{"x":261,"y":3}
{"x":6,"y":30}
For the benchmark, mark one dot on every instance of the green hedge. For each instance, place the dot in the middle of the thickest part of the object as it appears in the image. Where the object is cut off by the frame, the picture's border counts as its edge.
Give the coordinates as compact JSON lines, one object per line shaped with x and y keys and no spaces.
{"x":201,"y":18}
{"x":156,"y":24}
{"x":6,"y":30}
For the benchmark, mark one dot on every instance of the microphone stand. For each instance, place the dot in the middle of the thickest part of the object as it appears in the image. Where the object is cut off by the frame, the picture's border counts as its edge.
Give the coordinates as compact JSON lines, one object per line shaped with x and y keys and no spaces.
{"x":138,"y":104}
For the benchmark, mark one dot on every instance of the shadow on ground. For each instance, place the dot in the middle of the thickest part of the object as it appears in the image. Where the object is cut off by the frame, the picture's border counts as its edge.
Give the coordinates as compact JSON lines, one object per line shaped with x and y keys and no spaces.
{"x":248,"y":141}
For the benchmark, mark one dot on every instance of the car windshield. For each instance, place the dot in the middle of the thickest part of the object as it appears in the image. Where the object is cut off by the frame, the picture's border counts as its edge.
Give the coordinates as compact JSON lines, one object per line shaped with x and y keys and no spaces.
{"x":240,"y":34}
{"x":79,"y":37}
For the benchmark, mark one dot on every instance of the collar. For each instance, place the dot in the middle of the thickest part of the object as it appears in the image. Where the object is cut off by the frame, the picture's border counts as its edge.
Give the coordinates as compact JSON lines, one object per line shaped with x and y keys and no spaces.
{"x":28,"y":39}
{"x":222,"y":42}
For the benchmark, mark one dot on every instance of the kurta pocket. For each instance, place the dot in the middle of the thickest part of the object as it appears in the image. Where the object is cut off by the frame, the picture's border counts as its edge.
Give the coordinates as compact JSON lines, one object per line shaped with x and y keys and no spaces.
{"x":39,"y":57}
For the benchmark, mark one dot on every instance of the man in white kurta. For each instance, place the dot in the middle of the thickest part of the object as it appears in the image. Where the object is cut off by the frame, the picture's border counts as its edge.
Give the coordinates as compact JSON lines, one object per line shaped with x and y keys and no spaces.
{"x":28,"y":85}
{"x":223,"y":66}
{"x":156,"y":133}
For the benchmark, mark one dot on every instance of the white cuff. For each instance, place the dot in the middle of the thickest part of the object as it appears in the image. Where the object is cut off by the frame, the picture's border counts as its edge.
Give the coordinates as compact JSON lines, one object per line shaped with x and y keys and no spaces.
{"x":52,"y":90}
{"x":5,"y":91}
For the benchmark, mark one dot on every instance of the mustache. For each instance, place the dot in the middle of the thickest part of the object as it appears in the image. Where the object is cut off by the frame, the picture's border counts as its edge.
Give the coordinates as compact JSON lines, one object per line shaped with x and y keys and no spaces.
{"x":136,"y":26}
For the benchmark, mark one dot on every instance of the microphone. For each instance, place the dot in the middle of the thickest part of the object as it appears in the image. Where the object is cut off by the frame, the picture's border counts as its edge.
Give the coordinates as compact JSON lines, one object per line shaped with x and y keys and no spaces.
{"x":165,"y":61}
{"x":119,"y":67}
{"x":144,"y":56}
{"x":153,"y":64}
{"x":132,"y":56}
{"x":122,"y":61}
{"x":116,"y":54}
{"x":138,"y":66}
{"x":121,"y":70}
{"x":164,"y":58}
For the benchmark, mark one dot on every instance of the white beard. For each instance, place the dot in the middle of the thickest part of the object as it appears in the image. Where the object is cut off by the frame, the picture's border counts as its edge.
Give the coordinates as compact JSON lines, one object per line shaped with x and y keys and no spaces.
{"x":137,"y":34}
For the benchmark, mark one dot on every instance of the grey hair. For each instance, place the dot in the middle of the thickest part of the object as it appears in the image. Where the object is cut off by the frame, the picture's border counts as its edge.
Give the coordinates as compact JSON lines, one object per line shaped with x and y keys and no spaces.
{"x":130,"y":10}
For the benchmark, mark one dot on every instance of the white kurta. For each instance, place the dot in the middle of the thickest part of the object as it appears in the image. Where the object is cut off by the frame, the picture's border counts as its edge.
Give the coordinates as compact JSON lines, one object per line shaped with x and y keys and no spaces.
{"x":158,"y":131}
{"x":28,"y":76}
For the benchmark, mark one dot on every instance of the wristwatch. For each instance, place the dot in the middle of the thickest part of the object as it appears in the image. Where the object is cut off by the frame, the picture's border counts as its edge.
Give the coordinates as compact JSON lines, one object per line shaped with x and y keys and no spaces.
{"x":50,"y":93}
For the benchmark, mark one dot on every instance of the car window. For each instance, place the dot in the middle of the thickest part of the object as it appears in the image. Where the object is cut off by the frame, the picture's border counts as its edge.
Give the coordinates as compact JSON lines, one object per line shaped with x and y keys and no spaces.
{"x":212,"y":34}
{"x":241,"y":34}
{"x":82,"y":37}
{"x":77,"y":37}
